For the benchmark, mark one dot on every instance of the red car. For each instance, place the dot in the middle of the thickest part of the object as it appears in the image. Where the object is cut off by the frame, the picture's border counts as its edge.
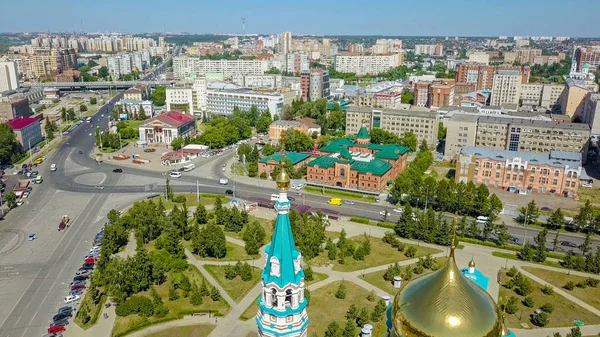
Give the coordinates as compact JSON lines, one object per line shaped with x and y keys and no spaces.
{"x":91,"y":260}
{"x":78,"y":287}
{"x":56,"y":329}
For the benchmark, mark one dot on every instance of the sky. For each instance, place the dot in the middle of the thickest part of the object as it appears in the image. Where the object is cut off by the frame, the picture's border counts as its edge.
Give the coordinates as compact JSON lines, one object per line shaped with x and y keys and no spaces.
{"x":574,"y":18}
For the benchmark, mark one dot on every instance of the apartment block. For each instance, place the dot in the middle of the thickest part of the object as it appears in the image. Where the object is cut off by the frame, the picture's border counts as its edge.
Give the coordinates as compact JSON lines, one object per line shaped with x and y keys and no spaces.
{"x":314,"y":84}
{"x":47,"y":62}
{"x":573,"y":96}
{"x":184,"y":67}
{"x":13,"y":108}
{"x":479,"y":57}
{"x":554,"y":173}
{"x":258,"y":81}
{"x":296,"y":62}
{"x":189,"y":97}
{"x":441,"y":93}
{"x":544,"y":96}
{"x":9,"y":76}
{"x":222,"y":102}
{"x":591,"y":114}
{"x":119,"y":65}
{"x":522,"y":55}
{"x":27,"y":130}
{"x":367,"y":64}
{"x":424,"y":124}
{"x":587,"y":55}
{"x":421,"y":94}
{"x":461,"y":131}
{"x":429,"y":49}
{"x":506,"y":87}
{"x":481,"y":76}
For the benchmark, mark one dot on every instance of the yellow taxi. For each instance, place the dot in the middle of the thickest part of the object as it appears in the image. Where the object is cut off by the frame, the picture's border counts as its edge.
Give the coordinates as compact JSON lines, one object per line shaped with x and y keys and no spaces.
{"x":335,"y":201}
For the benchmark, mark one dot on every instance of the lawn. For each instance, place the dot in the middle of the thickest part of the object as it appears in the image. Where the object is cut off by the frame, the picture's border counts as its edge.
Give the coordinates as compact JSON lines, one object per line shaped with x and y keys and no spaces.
{"x":589,"y":295}
{"x":563,"y":315}
{"x":591,"y":194}
{"x":190,"y":200}
{"x":93,"y":310}
{"x":267,"y":224}
{"x":177,"y":308}
{"x":202,"y":330}
{"x":236,"y":288}
{"x":234,"y":253}
{"x":377,"y":280}
{"x":512,"y":256}
{"x":340,"y":194}
{"x":324,"y":307}
{"x":252,"y":309}
{"x":381,"y":253}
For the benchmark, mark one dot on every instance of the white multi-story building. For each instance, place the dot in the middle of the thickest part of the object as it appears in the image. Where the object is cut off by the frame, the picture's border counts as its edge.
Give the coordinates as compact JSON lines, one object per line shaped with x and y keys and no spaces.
{"x":258,"y":81}
{"x":285,"y":43}
{"x":506,"y":87}
{"x":9,"y":76}
{"x":429,"y":49}
{"x":222,"y":102}
{"x":119,"y":65}
{"x":367,"y":64}
{"x":296,"y":62}
{"x":386,"y":46}
{"x":189,"y":97}
{"x":591,"y":115}
{"x":545,"y":96}
{"x":479,"y":57}
{"x":184,"y":67}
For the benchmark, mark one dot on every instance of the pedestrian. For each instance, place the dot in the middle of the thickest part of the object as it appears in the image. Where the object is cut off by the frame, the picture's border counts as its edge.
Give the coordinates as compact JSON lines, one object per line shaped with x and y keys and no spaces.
{"x":216,"y":320}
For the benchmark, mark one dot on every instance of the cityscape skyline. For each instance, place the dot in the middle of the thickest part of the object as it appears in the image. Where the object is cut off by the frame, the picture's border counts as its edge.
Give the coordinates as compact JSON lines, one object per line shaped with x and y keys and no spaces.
{"x":534,"y":18}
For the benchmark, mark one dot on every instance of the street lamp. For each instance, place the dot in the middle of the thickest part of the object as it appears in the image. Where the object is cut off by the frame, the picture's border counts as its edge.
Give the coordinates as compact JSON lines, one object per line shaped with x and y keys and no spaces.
{"x":30,"y":151}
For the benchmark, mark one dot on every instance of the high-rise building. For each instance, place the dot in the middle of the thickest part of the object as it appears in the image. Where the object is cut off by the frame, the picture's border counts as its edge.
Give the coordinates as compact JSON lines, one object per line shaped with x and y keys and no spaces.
{"x":481,"y":76}
{"x":184,"y":67}
{"x":119,"y":65}
{"x":573,"y":96}
{"x":441,"y":93}
{"x":544,"y":96}
{"x":189,"y":97}
{"x":296,"y":62}
{"x":314,"y":84}
{"x":587,"y":55}
{"x":506,"y":87}
{"x":285,"y":43}
{"x":591,"y":113}
{"x":387,"y":46}
{"x":9,"y":76}
{"x":282,"y":305}
{"x":421,"y":94}
{"x":367,"y":64}
{"x":429,"y":49}
{"x":223,"y":101}
{"x":47,"y":62}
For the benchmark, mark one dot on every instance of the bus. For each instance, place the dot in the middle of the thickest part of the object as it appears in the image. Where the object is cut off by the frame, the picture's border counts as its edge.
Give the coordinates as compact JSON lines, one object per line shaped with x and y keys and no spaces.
{"x":38,"y":179}
{"x":188,"y":167}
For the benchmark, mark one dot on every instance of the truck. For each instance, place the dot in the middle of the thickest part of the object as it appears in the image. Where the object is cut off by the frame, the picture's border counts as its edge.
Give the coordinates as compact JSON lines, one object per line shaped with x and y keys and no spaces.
{"x":64,"y":223}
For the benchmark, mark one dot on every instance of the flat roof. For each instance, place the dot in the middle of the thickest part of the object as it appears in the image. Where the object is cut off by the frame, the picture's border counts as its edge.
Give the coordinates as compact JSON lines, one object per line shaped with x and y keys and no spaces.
{"x":532,"y":122}
{"x":555,"y":158}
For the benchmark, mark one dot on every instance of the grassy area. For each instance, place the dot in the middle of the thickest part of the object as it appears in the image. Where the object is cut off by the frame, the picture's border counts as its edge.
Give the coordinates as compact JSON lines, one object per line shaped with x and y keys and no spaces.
{"x":236,"y":288}
{"x":511,"y":256}
{"x":234,"y":253}
{"x":252,"y":309}
{"x":324,"y":307}
{"x":190,"y":200}
{"x":93,"y":310}
{"x":590,"y":295}
{"x":563,"y":315}
{"x":377,"y":280}
{"x":267,"y":224}
{"x":381,"y":253}
{"x":341,"y":194}
{"x":202,"y":330}
{"x":177,"y":308}
{"x":591,"y":194}
{"x":252,"y":334}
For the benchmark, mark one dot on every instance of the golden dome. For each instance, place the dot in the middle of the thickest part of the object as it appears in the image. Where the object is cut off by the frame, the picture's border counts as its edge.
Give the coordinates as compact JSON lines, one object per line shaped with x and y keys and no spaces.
{"x":445,"y":304}
{"x":472,"y":263}
{"x":283,"y":180}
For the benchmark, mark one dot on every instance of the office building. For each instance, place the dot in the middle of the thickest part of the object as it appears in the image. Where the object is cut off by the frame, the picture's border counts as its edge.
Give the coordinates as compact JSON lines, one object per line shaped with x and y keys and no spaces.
{"x":481,"y":76}
{"x":223,"y":101}
{"x":572,"y":98}
{"x":461,"y":131}
{"x":258,"y":81}
{"x":367,"y":64}
{"x":133,"y":93}
{"x":506,"y":87}
{"x":421,"y":94}
{"x":189,"y":97}
{"x":554,"y":173}
{"x":314,"y":84}
{"x":131,"y":108}
{"x":9,"y":76}
{"x":357,"y":163}
{"x":441,"y":93}
{"x":429,"y":49}
{"x":541,"y":96}
{"x":424,"y":124}
{"x":296,"y":62}
{"x":28,"y":131}
{"x":167,"y":126}
{"x":13,"y":108}
{"x":587,"y":55}
{"x":590,"y":114}
{"x":184,"y":67}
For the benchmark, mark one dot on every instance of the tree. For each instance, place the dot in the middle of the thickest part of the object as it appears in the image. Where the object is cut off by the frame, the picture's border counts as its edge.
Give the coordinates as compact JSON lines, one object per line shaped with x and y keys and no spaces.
{"x":341,"y":291}
{"x":103,"y":72}
{"x":378,"y":311}
{"x":586,"y":246}
{"x":526,"y":253}
{"x":349,"y":329}
{"x":410,"y":140}
{"x":200,"y":215}
{"x":159,"y":96}
{"x":556,"y":220}
{"x":352,"y":312}
{"x":555,"y":241}
{"x":488,"y":228}
{"x":141,"y":115}
{"x":333,"y":330}
{"x":254,"y":236}
{"x":495,"y":204}
{"x":540,"y":251}
{"x":83,"y":108}
{"x":169,"y":190}
{"x":93,"y":101}
{"x":173,"y":292}
{"x":195,"y":296}
{"x":215,"y":295}
{"x":297,"y":141}
{"x":63,"y":114}
{"x":268,"y":150}
{"x":585,"y":216}
{"x":209,"y":241}
{"x":11,"y":199}
{"x":363,"y":316}
{"x":540,"y":319}
{"x":10,"y":149}
{"x":177,"y":143}
{"x":502,"y":234}
{"x":511,"y":306}
{"x":529,"y":214}
{"x":442,"y":130}
{"x":407,"y":97}
{"x":473,"y":230}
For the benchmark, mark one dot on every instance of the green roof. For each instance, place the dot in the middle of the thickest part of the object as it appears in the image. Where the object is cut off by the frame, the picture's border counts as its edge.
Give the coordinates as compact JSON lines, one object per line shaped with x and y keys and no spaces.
{"x":294,"y":157}
{"x":363,"y":133}
{"x":389,"y":151}
{"x":323,"y":162}
{"x":376,"y":166}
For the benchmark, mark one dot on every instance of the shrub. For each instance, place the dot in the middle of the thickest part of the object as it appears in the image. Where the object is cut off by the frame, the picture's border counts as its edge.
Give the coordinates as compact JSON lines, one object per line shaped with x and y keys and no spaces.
{"x":341,"y":291}
{"x":263,"y":175}
{"x":371,"y":297}
{"x":215,"y":295}
{"x":308,"y":273}
{"x":401,"y":246}
{"x":386,"y":225}
{"x":161,"y":311}
{"x":569,"y":285}
{"x":528,"y":302}
{"x":178,"y":198}
{"x":135,"y":305}
{"x":548,"y":290}
{"x":582,"y":284}
{"x":511,"y":306}
{"x":390,"y":238}
{"x":512,"y":271}
{"x":540,"y":319}
{"x":548,"y":307}
{"x":592,"y":282}
{"x":360,"y":220}
{"x":418,"y":269}
{"x":410,"y":251}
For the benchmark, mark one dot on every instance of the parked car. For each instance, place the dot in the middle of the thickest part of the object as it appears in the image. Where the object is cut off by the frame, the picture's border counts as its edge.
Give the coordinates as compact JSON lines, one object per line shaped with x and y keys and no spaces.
{"x":546,"y":209}
{"x":31,"y":237}
{"x":72,"y":298}
{"x":78,"y":292}
{"x":78,"y":287}
{"x":60,"y":316}
{"x":56,"y":329}
{"x":75,"y":283}
{"x":398,"y":210}
{"x":80,"y":278}
{"x":118,"y":170}
{"x":91,"y":260}
{"x":61,"y":322}
{"x":384,"y":213}
{"x":88,"y":266}
{"x":349,"y":202}
{"x":66,"y":309}
{"x":230,"y":192}
{"x":568,"y":244}
{"x":99,"y":187}
{"x":290,"y":198}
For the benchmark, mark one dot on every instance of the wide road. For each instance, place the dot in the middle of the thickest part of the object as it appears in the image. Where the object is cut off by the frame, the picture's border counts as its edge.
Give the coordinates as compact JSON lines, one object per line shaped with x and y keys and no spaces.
{"x":35,"y":275}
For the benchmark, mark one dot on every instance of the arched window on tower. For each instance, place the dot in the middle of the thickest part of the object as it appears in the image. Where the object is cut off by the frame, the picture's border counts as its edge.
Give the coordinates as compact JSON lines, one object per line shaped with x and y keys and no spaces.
{"x":288,"y":298}
{"x":342,"y":172}
{"x":274,"y":297}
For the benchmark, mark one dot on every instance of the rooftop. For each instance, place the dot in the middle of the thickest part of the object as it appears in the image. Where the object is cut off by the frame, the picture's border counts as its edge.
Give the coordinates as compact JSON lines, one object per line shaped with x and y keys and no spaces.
{"x":294,"y":157}
{"x":409,"y":113}
{"x":133,"y":91}
{"x":531,"y":122}
{"x":554,"y":159}
{"x":464,"y":118}
{"x":19,"y":123}
{"x":173,"y":118}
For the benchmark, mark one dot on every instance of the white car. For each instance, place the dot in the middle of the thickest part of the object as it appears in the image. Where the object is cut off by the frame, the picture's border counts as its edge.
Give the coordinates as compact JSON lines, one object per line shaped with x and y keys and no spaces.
{"x":53,"y":167}
{"x":482,"y":219}
{"x":90,"y":134}
{"x":398,"y":210}
{"x":175,"y":174}
{"x":72,"y":298}
{"x":384,"y":213}
{"x":274,"y":197}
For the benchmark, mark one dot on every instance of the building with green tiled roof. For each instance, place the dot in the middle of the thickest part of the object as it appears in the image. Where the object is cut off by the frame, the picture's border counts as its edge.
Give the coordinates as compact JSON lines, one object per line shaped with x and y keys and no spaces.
{"x":268,"y":164}
{"x":357,"y":163}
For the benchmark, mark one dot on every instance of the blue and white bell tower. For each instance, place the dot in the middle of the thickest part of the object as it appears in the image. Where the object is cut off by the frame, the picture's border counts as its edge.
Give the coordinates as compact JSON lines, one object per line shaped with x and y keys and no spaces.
{"x":282,"y":306}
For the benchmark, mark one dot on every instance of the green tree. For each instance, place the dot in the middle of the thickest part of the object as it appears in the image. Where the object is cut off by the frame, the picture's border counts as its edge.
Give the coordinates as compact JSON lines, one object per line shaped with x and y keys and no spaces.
{"x":254,"y":236}
{"x":349,"y":329}
{"x":488,"y":228}
{"x":93,"y":101}
{"x":585,"y":216}
{"x":209,"y":241}
{"x":200,"y":215}
{"x":268,"y":150}
{"x":495,"y":204}
{"x":168,"y":189}
{"x":341,"y":291}
{"x":83,"y":108}
{"x":159,"y":96}
{"x":540,"y":251}
{"x":556,"y":220}
{"x":473,"y":230}
{"x":442,"y":130}
{"x":177,"y":143}
{"x":352,"y":312}
{"x":407,"y":97}
{"x":297,"y":141}
{"x":333,"y":330}
{"x":503,"y":235}
{"x":556,"y":240}
{"x":378,"y":311}
{"x":103,"y":72}
{"x":173,"y":295}
{"x":526,"y":253}
{"x":195,"y":296}
{"x":586,"y":246}
{"x":215,"y":295}
{"x":529,"y":214}
{"x":11,"y":199}
{"x":410,"y":140}
{"x":363,"y":316}
{"x":10,"y":149}
{"x":511,"y":306}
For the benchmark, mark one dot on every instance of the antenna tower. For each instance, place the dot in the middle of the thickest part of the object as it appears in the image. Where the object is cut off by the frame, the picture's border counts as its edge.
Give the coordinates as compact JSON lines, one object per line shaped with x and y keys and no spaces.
{"x":244,"y":26}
